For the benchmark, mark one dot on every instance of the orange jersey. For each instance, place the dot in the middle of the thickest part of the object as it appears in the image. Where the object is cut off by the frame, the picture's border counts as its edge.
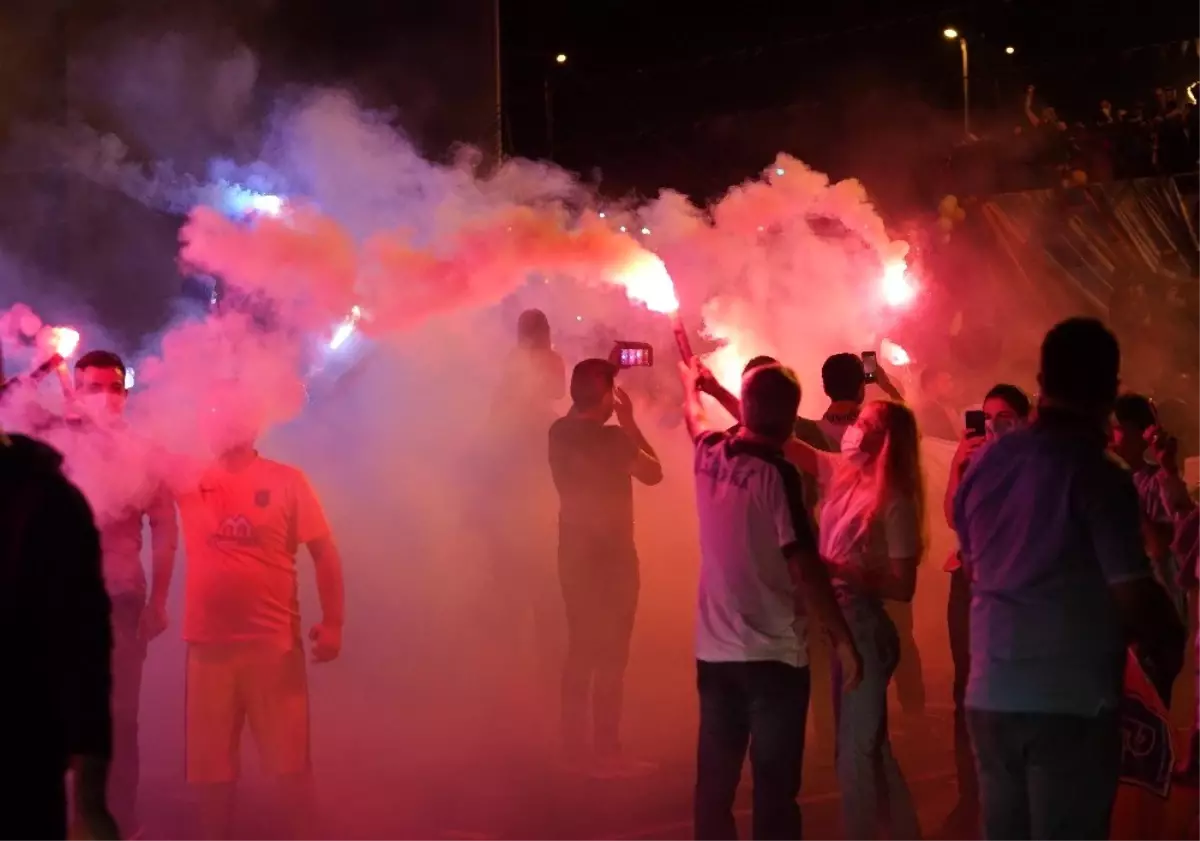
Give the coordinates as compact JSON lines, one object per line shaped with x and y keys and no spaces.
{"x":241,"y":532}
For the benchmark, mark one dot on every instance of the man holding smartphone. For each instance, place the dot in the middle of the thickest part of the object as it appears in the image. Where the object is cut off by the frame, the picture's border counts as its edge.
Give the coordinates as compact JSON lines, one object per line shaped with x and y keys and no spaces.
{"x":594,"y":465}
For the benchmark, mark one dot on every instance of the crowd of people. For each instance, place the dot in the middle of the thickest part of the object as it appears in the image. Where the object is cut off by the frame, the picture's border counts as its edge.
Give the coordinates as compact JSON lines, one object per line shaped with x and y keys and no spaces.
{"x":1072,"y":518}
{"x":76,"y":591}
{"x":1077,"y":556}
{"x":1158,"y":136}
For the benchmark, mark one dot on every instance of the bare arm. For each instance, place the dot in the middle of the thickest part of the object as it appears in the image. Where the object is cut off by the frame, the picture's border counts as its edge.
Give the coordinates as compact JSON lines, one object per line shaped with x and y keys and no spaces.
{"x":327,"y":562}
{"x":805,"y":456}
{"x":1029,"y":115}
{"x":693,"y":410}
{"x":815,"y":597}
{"x":164,"y":539}
{"x":645,"y":466}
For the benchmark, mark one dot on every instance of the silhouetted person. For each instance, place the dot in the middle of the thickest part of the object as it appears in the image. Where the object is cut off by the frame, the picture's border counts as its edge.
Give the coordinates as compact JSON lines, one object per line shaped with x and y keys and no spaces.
{"x":139,"y":612}
{"x":594,"y":465}
{"x":1049,"y":528}
{"x":520,"y":502}
{"x":1005,"y":408}
{"x":54,"y":614}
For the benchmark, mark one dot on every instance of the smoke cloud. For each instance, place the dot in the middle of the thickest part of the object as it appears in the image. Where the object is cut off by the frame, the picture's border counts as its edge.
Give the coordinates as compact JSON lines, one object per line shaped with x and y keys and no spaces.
{"x":393,"y":425}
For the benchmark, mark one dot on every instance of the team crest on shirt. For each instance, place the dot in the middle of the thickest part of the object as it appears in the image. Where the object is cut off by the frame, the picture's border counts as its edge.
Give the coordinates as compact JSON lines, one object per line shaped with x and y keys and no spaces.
{"x":262,"y":498}
{"x":234,"y":531}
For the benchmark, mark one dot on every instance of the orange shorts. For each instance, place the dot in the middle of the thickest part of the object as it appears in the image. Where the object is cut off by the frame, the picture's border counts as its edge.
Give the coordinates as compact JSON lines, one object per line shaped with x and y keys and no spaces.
{"x":228,"y":685}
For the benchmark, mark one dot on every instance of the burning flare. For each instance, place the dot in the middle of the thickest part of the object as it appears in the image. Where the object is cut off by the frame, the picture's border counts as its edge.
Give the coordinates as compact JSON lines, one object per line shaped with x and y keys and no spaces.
{"x":898,"y":289}
{"x":646,"y":281}
{"x":64,"y":341}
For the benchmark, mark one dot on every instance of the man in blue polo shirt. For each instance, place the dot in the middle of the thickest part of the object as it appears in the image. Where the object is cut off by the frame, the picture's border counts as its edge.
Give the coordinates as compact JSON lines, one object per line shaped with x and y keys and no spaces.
{"x":1050,"y":535}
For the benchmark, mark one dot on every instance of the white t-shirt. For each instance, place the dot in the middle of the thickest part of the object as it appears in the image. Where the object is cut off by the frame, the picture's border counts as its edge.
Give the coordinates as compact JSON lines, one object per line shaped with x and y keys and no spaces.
{"x":850,"y":536}
{"x":751,"y":511}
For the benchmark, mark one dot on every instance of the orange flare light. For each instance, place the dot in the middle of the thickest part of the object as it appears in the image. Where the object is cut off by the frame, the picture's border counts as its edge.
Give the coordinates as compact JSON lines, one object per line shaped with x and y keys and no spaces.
{"x":64,"y":341}
{"x":898,"y":289}
{"x":646,"y":281}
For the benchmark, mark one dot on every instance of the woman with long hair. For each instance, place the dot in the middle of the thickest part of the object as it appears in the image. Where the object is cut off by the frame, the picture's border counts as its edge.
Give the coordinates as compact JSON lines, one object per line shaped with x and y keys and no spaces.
{"x":871,"y":534}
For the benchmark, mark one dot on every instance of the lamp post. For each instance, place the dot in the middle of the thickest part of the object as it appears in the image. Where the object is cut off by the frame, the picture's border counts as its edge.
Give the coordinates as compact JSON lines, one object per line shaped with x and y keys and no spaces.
{"x":548,"y":94}
{"x":951,"y":34}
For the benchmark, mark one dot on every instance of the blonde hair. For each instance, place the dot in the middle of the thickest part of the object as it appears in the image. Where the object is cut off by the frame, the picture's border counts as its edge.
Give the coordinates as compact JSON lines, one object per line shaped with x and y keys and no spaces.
{"x":895,"y":471}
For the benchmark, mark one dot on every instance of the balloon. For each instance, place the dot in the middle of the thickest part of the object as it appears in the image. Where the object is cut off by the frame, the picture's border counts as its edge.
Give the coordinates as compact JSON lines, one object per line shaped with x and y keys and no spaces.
{"x":948,"y":205}
{"x":959,"y":214}
{"x":946,"y":224}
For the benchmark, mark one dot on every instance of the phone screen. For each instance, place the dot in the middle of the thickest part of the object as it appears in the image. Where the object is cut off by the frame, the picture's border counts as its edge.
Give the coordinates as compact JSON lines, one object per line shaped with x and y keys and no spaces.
{"x":870,"y":365}
{"x":976,"y":423}
{"x":634,"y":355}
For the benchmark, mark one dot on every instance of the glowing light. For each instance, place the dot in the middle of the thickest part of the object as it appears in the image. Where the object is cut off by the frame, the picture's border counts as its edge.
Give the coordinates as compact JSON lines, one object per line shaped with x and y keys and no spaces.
{"x":64,"y":340}
{"x":894,"y":354}
{"x":129,"y":379}
{"x":780,"y":171}
{"x":622,"y":229}
{"x":645,"y":232}
{"x":579,"y":318}
{"x":1191,"y":91}
{"x":898,"y":290}
{"x":646,"y":281}
{"x":1010,"y":50}
{"x":601,"y":214}
{"x":346,"y":329}
{"x":237,"y":200}
{"x":950,"y":33}
{"x":561,"y":58}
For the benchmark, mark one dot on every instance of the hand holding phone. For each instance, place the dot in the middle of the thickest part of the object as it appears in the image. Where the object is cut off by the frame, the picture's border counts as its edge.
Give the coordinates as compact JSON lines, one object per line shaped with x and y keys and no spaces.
{"x":976,"y":423}
{"x":870,"y":365}
{"x":632,"y":355}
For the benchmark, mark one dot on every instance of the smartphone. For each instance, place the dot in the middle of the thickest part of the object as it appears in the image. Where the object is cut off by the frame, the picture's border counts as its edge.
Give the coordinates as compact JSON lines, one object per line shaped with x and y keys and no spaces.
{"x":870,"y":365}
{"x":976,"y":423}
{"x":633,"y":355}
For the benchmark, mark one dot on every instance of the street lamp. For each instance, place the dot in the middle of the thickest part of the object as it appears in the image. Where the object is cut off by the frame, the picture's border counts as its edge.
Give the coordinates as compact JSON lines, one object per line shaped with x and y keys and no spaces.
{"x":951,"y":34}
{"x":548,"y":93}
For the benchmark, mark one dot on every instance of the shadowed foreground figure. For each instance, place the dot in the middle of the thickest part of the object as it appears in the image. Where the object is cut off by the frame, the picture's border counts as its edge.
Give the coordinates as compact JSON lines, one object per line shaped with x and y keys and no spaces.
{"x":54,"y":710}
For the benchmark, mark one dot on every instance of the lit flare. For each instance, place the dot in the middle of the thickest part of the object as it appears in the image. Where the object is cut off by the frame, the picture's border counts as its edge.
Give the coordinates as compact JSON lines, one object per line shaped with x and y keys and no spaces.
{"x":897,"y":288}
{"x":64,"y":341}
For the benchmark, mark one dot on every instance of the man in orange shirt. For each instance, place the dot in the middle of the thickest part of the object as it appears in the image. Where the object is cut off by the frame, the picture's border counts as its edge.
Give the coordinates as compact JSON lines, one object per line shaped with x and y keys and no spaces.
{"x":242,"y":526}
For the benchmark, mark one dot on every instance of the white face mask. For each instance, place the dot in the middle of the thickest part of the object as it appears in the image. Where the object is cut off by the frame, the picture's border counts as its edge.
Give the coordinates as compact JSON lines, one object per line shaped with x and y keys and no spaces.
{"x":997,"y":427}
{"x":852,"y":440}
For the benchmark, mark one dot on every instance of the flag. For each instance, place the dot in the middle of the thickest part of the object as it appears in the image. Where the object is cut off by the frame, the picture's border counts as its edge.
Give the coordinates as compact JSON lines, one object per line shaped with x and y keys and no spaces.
{"x":1147,"y":755}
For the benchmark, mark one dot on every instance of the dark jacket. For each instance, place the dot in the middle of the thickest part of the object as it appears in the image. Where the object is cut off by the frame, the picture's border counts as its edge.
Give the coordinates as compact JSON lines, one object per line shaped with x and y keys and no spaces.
{"x":54,"y":612}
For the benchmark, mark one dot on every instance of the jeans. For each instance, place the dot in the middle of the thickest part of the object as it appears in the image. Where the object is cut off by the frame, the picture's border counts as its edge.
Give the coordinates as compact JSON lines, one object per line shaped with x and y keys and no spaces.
{"x":1047,"y":776}
{"x":761,"y":706}
{"x":873,"y":788}
{"x":909,"y":677}
{"x":600,"y":595}
{"x":958,"y":623}
{"x":128,"y":657}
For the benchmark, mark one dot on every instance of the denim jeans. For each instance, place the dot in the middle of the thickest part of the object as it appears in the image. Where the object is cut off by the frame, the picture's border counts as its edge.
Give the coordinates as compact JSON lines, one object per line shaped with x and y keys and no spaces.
{"x":1046,"y":776}
{"x":128,"y":658}
{"x":762,"y":706}
{"x":874,"y":791}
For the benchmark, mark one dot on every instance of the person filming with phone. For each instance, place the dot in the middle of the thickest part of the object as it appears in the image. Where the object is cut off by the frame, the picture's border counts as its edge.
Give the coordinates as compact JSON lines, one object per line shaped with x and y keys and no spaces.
{"x":594,"y":464}
{"x":1005,"y":408}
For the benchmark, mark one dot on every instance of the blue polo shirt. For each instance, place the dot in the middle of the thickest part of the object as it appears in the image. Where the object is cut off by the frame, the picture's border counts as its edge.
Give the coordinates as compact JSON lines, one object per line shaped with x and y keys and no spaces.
{"x":1047,"y":521}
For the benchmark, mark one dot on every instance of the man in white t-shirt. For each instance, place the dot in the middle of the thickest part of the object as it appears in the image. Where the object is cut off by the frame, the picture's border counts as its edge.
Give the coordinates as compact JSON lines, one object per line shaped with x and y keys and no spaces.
{"x":758,"y":561}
